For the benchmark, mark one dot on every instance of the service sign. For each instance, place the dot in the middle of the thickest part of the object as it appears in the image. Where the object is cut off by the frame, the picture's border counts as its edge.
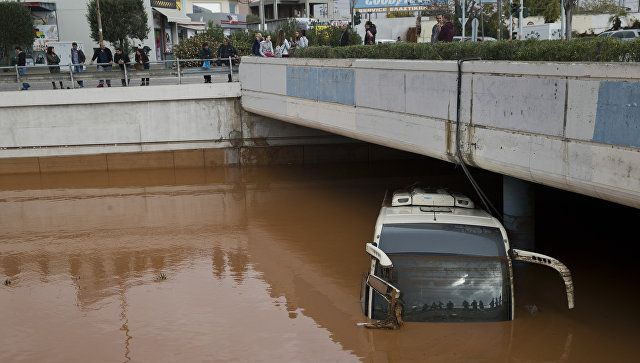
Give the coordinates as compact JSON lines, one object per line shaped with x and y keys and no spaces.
{"x":383,"y":6}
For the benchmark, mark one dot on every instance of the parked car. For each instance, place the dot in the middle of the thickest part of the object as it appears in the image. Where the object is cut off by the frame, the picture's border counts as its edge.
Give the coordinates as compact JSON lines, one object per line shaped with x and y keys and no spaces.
{"x":623,"y":34}
{"x":458,"y":38}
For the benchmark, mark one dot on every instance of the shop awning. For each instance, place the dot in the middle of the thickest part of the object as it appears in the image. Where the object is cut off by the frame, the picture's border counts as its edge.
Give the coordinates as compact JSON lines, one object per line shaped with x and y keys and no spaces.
{"x":173,"y":15}
{"x":193,"y":26}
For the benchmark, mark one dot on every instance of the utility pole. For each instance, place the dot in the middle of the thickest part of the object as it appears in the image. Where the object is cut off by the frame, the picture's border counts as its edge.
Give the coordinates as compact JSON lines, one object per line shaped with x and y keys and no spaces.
{"x":261,"y":10}
{"x":563,"y":21}
{"x":520,"y":20}
{"x":499,"y":20}
{"x":464,"y":20}
{"x":510,"y":19}
{"x":99,"y":22}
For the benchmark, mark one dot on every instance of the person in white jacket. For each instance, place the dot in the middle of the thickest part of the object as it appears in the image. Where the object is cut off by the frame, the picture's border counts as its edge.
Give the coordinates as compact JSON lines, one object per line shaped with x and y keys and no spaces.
{"x":266,"y":47}
{"x":303,"y":42}
{"x":282,"y":49}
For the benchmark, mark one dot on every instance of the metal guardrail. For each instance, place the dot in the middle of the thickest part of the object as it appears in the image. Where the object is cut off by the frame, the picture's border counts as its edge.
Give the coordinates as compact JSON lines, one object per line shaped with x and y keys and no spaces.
{"x":176,"y":68}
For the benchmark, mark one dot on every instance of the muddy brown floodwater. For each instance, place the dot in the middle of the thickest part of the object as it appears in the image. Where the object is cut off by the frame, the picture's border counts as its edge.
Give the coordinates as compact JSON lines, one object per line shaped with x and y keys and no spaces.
{"x":265,"y":265}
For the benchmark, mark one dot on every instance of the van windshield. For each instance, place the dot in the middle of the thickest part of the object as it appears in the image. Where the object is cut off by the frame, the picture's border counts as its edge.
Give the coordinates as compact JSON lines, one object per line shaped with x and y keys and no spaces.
{"x":449,"y":288}
{"x":447,"y":272}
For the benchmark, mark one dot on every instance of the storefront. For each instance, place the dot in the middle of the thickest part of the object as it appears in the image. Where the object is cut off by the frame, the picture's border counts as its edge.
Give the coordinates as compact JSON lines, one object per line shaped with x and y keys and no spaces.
{"x":168,"y":15}
{"x":45,"y":27}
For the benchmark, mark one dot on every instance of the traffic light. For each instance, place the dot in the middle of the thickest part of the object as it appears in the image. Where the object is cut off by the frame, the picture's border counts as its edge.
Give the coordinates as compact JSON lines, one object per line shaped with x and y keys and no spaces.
{"x":515,"y":8}
{"x":356,"y":18}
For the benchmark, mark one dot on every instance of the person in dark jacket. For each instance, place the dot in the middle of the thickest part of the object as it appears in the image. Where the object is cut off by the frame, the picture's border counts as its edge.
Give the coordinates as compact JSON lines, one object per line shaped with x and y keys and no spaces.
{"x":227,"y":52}
{"x":435,"y":31}
{"x":105,"y":59}
{"x":255,"y":47}
{"x":77,"y":60}
{"x":446,"y":31}
{"x":53,"y":59}
{"x":122,"y":59}
{"x":142,"y":62}
{"x":344,"y":37}
{"x":206,"y":55}
{"x":372,"y":28}
{"x":22,"y":62}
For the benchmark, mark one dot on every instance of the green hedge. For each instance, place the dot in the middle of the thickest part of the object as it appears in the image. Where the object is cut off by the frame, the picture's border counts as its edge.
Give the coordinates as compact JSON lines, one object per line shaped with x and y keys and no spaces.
{"x":577,"y":50}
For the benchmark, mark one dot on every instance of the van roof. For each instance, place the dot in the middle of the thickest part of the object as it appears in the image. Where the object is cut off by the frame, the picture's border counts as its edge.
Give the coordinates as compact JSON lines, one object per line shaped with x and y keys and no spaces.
{"x":450,"y":215}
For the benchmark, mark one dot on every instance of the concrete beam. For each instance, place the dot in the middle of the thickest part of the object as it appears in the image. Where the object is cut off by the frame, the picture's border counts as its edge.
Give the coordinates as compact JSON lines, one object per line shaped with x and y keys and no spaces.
{"x":573,"y":126}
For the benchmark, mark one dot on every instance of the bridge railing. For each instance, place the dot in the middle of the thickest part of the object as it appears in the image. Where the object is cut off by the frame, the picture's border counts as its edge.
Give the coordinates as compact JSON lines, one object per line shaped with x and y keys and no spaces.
{"x":177,"y":71}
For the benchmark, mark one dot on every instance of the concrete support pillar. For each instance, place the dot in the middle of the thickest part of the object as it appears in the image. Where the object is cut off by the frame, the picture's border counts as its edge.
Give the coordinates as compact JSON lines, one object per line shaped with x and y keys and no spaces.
{"x":275,"y":9}
{"x":306,"y":8}
{"x":518,"y":200}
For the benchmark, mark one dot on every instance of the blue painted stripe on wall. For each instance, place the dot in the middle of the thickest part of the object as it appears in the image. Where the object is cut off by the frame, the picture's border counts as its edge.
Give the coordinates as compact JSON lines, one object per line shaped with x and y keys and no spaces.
{"x":321,"y":84}
{"x":618,"y":114}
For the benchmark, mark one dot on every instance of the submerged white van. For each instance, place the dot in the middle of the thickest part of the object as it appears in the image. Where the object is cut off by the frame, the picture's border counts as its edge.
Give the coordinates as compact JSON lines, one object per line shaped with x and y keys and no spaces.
{"x":435,"y":257}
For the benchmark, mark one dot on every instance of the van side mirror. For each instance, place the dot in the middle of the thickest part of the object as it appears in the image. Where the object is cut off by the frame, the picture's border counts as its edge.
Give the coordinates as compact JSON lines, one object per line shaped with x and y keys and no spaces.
{"x":540,"y":259}
{"x":379,"y":255}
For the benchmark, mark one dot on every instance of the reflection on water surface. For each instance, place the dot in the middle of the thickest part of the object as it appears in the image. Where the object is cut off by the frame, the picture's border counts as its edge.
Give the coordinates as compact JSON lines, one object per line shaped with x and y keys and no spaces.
{"x":251,"y":265}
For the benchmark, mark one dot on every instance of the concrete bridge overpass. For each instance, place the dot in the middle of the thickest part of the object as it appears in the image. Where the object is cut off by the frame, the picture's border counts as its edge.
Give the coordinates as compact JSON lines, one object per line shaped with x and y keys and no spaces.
{"x":570,"y":126}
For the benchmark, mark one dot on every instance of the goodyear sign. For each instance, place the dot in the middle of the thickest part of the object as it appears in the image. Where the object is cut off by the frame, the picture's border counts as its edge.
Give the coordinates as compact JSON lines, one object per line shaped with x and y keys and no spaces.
{"x":383,"y":6}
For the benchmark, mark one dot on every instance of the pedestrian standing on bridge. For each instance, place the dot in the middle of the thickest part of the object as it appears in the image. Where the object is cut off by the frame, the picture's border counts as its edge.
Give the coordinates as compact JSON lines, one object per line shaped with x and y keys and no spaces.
{"x":142,"y":63}
{"x":283,"y":46}
{"x":344,"y":37}
{"x":22,"y":67}
{"x":227,"y":55}
{"x":255,"y":47}
{"x":435,"y":31}
{"x":54,"y":65}
{"x":105,"y":59}
{"x":266,"y":47}
{"x":206,"y":55}
{"x":447,"y":31}
{"x":77,"y":61}
{"x":123,"y":61}
{"x":302,"y":41}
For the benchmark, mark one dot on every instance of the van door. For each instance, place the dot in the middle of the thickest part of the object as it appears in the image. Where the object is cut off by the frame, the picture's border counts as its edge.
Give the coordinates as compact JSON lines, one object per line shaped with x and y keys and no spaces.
{"x":540,"y":259}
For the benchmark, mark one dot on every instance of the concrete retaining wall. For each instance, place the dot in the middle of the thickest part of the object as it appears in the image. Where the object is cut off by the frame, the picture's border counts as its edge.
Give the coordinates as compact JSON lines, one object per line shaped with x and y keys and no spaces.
{"x":187,"y":126}
{"x":571,"y":126}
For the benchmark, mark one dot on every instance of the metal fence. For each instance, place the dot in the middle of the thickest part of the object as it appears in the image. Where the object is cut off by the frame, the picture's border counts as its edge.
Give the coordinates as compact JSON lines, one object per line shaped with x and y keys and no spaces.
{"x":177,"y":70}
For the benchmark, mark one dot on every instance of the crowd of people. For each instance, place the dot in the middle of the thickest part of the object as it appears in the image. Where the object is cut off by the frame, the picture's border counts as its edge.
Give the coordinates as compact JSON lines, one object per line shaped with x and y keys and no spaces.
{"x":263,"y":47}
{"x":442,"y":31}
{"x":102,"y":56}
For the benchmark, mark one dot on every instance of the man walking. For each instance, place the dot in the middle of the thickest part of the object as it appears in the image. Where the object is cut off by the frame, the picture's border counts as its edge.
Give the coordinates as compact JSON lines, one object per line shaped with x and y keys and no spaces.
{"x":22,"y":62}
{"x":78,"y":59}
{"x":435,"y":31}
{"x":446,"y":31}
{"x":105,"y":60}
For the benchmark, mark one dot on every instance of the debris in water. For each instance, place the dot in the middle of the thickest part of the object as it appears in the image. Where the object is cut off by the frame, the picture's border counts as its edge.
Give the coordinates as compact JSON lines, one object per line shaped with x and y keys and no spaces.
{"x":7,"y":282}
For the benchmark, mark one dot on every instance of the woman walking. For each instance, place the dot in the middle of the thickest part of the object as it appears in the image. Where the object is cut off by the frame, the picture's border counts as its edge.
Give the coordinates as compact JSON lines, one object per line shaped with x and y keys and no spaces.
{"x":53,"y":61}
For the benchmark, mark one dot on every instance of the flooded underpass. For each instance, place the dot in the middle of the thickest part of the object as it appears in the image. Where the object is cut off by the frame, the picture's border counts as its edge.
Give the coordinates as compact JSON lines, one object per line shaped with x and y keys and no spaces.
{"x":265,"y":264}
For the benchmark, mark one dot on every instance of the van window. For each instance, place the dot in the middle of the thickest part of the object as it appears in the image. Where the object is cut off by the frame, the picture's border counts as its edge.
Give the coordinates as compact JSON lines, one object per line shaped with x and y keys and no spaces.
{"x":433,"y":238}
